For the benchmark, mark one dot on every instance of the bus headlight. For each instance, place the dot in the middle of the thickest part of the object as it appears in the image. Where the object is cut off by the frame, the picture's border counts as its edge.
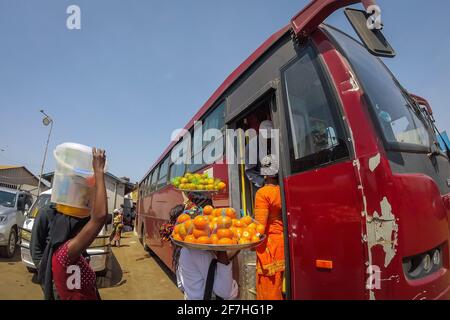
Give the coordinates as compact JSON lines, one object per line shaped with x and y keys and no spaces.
{"x":421,"y":265}
{"x":437,"y":257}
{"x":426,"y":263}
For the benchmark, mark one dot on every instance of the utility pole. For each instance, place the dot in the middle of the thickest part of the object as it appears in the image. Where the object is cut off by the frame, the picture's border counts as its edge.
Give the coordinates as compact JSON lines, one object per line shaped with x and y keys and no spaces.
{"x":45,"y":121}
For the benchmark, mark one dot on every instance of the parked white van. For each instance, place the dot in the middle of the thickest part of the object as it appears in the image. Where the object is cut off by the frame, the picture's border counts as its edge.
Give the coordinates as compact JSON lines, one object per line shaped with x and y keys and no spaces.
{"x":98,"y":251}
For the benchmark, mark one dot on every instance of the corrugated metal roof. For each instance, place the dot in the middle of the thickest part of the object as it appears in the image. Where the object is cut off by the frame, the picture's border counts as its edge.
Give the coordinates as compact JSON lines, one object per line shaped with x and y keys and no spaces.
{"x":3,"y":167}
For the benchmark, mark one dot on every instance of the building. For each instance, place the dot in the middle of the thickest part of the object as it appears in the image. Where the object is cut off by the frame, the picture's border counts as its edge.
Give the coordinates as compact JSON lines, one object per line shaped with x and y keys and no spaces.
{"x":116,"y":189}
{"x":19,"y":177}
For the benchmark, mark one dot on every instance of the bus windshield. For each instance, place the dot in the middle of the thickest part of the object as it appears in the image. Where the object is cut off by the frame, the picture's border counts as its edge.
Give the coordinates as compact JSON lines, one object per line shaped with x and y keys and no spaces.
{"x":7,"y":199}
{"x":401,"y":122}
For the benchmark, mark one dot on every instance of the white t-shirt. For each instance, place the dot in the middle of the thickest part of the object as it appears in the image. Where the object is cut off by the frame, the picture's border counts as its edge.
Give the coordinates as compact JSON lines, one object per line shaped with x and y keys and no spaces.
{"x":192,"y":273}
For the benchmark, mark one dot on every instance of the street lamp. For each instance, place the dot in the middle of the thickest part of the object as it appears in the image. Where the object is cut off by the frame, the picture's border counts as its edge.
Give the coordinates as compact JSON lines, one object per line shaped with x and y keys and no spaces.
{"x":46,"y":121}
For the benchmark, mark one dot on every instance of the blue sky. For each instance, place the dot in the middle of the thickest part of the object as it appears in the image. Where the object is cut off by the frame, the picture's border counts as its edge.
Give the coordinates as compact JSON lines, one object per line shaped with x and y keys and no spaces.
{"x":138,"y":69}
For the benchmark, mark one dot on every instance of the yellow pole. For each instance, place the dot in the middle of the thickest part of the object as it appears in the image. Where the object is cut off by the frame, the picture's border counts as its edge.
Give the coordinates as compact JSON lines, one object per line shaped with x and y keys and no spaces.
{"x":241,"y":151}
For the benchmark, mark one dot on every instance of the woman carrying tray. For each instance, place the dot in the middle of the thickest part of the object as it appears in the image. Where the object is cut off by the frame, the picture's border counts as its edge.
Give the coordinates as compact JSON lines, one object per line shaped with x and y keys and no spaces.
{"x":270,"y":254}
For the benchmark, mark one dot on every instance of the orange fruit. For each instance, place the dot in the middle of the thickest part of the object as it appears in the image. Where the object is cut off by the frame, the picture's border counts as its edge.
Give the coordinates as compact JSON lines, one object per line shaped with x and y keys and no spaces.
{"x":177,"y":237}
{"x":208,"y":210}
{"x":231,"y":213}
{"x":260,"y":229}
{"x":198,"y":233}
{"x":214,"y":239}
{"x":190,"y":238}
{"x":189,"y":226}
{"x":201,"y":222}
{"x":252,"y":225}
{"x":221,"y":186}
{"x":224,"y":222}
{"x":239,"y":224}
{"x":255,"y":239}
{"x":250,"y":230}
{"x":247,"y":220}
{"x":224,"y":233}
{"x":225,"y":241}
{"x":246,"y":235}
{"x":218,"y":212}
{"x":181,"y":230}
{"x":204,"y":240}
{"x":183,"y":217}
{"x":212,"y":226}
{"x":233,"y":221}
{"x":176,"y":229}
{"x":244,"y":241}
{"x":238,"y":232}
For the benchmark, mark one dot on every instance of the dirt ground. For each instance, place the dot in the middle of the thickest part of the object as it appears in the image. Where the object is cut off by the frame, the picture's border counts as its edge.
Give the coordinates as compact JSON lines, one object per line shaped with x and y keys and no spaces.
{"x":132,"y":274}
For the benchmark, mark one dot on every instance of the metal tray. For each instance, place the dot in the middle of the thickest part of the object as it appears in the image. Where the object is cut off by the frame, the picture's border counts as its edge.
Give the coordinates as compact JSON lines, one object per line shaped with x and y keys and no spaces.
{"x":218,"y":247}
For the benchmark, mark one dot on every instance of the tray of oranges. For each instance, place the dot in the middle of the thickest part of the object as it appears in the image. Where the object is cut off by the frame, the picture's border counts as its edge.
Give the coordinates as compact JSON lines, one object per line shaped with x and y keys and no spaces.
{"x":217,"y":230}
{"x":195,"y":182}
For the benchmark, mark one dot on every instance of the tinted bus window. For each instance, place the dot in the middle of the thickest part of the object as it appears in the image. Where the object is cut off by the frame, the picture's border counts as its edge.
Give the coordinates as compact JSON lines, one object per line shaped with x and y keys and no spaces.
{"x":177,"y":170}
{"x":316,"y":134}
{"x":154,"y":180}
{"x":214,"y":120}
{"x":400,"y":122}
{"x":163,"y":171}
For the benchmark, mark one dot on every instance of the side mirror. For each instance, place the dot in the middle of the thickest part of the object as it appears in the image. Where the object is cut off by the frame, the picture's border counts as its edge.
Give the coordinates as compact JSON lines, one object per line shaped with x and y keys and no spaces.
{"x":374,"y":40}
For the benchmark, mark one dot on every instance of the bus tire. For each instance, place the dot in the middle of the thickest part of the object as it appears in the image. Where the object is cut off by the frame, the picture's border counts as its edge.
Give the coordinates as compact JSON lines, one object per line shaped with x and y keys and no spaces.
{"x":144,"y":242}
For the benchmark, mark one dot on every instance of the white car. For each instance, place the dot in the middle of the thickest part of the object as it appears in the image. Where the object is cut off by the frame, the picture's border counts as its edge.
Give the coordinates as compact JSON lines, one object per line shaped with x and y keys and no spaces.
{"x":13,"y":204}
{"x":98,"y":251}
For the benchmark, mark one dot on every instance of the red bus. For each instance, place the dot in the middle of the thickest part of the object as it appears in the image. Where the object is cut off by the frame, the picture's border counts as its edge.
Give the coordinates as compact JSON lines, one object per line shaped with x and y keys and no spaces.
{"x":366,"y":213}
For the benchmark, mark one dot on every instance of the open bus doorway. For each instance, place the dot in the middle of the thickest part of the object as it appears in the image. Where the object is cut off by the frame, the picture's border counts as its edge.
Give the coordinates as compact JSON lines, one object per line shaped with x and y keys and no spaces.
{"x":247,"y":179}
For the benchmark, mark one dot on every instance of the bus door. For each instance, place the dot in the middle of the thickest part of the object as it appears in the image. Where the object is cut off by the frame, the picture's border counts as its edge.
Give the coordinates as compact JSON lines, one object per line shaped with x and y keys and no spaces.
{"x":322,"y":205}
{"x":245,"y":179}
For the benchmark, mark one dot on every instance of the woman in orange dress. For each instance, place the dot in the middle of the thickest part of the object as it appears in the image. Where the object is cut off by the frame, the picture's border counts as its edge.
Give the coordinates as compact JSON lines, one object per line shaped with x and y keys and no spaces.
{"x":270,"y":254}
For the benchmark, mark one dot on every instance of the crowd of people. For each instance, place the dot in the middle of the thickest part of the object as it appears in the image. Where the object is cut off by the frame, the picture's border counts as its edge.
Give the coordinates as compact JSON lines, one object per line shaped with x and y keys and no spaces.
{"x":60,"y":241}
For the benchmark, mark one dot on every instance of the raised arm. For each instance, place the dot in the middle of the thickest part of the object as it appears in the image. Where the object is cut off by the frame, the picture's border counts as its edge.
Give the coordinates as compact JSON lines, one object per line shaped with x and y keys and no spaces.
{"x":87,"y":235}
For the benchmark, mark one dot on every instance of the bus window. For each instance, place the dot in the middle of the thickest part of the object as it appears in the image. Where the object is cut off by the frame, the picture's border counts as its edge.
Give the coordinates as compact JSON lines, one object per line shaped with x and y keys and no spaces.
{"x":177,"y":170}
{"x":401,"y":123}
{"x":147,"y":184}
{"x":154,"y":180}
{"x":214,"y":120}
{"x":163,"y":171}
{"x":316,"y":134}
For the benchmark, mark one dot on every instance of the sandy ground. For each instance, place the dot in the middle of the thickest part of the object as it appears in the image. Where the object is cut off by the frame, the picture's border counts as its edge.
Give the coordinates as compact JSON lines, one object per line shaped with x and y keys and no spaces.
{"x":131,"y":274}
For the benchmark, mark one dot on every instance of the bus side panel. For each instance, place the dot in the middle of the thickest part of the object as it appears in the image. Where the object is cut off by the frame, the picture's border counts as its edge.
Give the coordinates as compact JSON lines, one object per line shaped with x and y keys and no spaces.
{"x":162,"y":203}
{"x":325,"y":224}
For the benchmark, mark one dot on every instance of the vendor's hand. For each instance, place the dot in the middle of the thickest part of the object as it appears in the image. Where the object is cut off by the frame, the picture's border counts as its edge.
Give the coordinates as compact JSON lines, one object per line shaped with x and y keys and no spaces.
{"x":98,"y":160}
